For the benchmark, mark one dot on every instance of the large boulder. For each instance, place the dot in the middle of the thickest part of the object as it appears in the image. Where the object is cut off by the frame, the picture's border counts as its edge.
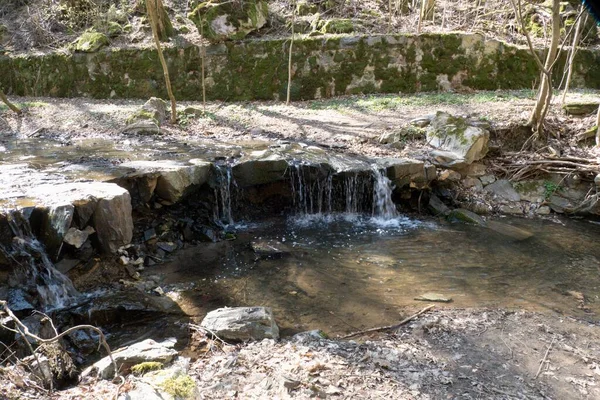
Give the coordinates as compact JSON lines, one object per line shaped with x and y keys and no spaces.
{"x":105,"y":206}
{"x":233,"y":20}
{"x":242,"y":323}
{"x":458,"y":141}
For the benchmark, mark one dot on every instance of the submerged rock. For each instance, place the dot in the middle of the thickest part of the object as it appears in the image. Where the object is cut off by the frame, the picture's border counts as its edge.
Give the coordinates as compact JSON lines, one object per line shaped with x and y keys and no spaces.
{"x":459,"y":139}
{"x":269,"y":249}
{"x":434,"y":297}
{"x":462,"y":215}
{"x":242,"y":323}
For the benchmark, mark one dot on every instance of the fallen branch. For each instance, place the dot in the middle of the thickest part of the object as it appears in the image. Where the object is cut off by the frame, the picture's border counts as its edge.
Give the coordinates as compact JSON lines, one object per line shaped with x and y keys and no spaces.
{"x":544,"y":359}
{"x":392,"y":327}
{"x":24,"y":331}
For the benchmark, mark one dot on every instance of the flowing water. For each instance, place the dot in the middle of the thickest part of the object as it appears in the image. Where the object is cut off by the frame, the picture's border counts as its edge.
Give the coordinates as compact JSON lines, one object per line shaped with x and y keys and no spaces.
{"x":33,"y":269}
{"x":345,"y":273}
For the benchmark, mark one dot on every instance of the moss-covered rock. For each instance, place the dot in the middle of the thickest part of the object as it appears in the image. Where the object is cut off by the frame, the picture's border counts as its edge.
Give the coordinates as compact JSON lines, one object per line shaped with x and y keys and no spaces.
{"x":337,"y":25}
{"x":91,"y":42}
{"x":230,"y":19}
{"x":580,"y":108}
{"x":304,"y":7}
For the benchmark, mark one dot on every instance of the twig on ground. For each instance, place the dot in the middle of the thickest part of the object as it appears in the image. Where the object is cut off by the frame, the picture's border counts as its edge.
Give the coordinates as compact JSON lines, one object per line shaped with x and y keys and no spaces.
{"x":383,"y":328}
{"x":544,"y":359}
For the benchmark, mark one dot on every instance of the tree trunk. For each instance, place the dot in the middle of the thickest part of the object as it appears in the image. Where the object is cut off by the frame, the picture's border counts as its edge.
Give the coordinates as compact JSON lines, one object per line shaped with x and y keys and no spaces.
{"x":545,"y":90}
{"x":152,"y":7}
{"x":598,"y":127}
{"x":9,"y":104}
{"x":580,"y":22}
{"x":164,"y":26}
{"x":289,"y":85}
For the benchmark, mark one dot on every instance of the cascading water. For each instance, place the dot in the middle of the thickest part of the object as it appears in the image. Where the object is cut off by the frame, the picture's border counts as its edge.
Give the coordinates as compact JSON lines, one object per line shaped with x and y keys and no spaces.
{"x":310,"y":195}
{"x":225,"y":181}
{"x":316,"y":192}
{"x":33,"y":269}
{"x":383,"y":206}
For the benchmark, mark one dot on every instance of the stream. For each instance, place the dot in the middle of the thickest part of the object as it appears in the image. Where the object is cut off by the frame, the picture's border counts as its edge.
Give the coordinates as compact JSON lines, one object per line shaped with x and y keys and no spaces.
{"x":344,"y":272}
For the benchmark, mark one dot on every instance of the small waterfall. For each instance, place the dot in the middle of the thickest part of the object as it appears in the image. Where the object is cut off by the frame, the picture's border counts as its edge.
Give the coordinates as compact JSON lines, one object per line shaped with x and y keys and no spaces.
{"x":222,"y":211}
{"x":311,"y":190}
{"x":33,"y":269}
{"x":383,"y":206}
{"x":357,"y":187}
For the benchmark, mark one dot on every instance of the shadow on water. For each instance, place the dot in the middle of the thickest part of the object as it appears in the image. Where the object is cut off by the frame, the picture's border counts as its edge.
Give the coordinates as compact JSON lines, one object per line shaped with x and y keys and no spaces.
{"x":347,"y":274}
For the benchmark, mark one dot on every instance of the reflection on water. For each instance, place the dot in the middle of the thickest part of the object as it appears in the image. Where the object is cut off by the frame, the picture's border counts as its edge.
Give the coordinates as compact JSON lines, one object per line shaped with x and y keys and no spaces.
{"x":347,"y":272}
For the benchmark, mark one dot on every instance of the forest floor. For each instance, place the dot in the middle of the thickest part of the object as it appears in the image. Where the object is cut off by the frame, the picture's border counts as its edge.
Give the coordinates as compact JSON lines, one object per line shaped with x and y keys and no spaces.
{"x":444,"y":354}
{"x":350,"y":124}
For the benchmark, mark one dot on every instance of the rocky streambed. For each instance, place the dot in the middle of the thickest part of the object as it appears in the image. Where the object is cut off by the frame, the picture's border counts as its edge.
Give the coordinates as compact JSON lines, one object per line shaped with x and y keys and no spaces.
{"x":171,"y":231}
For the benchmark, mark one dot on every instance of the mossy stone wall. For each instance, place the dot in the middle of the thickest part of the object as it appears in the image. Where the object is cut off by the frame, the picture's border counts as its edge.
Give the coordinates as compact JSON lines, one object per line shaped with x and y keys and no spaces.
{"x":257,"y":69}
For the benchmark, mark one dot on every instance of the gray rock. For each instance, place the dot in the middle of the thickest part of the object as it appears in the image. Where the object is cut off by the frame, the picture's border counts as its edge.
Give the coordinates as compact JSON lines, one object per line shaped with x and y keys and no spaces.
{"x":448,"y":159}
{"x":487,"y":179}
{"x":143,"y":127}
{"x":503,"y":189}
{"x":580,"y":108}
{"x":449,"y":175}
{"x":266,"y":169}
{"x":454,"y":134}
{"x":421,"y":122}
{"x":76,"y":237}
{"x":462,"y":215}
{"x":472,"y":183}
{"x":157,"y":108}
{"x":509,"y":230}
{"x":113,"y":221}
{"x":170,"y":180}
{"x":434,"y":297}
{"x":269,"y":248}
{"x":405,"y":171}
{"x":242,"y":323}
{"x":228,"y":20}
{"x":543,"y":210}
{"x":151,"y":385}
{"x":513,"y":208}
{"x":436,"y":206}
{"x":144,"y":351}
{"x":309,"y":336}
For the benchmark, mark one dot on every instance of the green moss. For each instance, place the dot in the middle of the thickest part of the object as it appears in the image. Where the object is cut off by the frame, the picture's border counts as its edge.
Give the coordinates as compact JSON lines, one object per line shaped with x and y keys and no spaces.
{"x":244,"y":16}
{"x":182,"y":386}
{"x":338,"y":25}
{"x":90,"y":42}
{"x":303,"y":7}
{"x":145,"y":367}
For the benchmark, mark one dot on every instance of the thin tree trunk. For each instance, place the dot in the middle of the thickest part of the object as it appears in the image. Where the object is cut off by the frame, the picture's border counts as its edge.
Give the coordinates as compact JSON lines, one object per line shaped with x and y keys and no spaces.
{"x":580,"y":22}
{"x":598,"y":127}
{"x":545,"y":91}
{"x":289,"y":85}
{"x":202,"y":58}
{"x":10,"y":105}
{"x":152,"y":9}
